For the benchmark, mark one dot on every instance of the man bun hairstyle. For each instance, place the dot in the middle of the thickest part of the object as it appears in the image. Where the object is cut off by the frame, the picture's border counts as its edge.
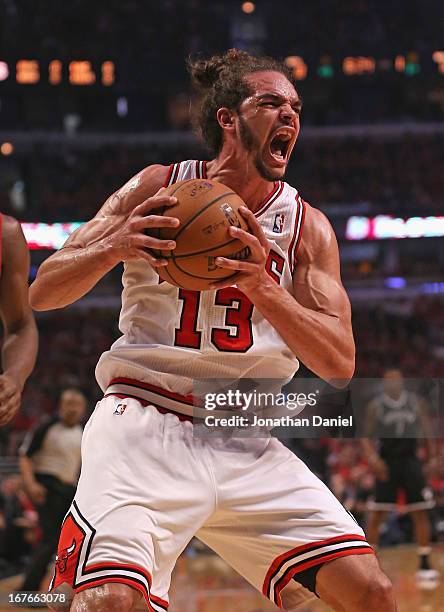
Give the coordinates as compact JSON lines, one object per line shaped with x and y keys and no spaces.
{"x":220,"y":82}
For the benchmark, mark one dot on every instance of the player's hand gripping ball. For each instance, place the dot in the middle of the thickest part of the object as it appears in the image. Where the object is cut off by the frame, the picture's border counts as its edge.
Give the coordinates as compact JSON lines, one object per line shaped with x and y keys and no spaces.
{"x":206,"y":210}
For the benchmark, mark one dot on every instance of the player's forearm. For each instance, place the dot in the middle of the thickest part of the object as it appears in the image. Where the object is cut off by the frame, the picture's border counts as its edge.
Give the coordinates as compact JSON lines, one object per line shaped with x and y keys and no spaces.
{"x":27,"y":471}
{"x":369,"y":449}
{"x":69,"y":274}
{"x":322,"y":342}
{"x":19,"y":349}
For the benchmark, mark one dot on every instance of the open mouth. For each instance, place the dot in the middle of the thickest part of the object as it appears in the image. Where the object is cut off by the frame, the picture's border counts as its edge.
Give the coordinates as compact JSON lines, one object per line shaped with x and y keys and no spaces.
{"x":280,"y":145}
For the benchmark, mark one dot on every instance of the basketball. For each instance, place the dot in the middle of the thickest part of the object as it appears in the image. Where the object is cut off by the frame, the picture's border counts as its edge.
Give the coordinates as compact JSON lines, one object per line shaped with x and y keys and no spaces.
{"x":206,"y":210}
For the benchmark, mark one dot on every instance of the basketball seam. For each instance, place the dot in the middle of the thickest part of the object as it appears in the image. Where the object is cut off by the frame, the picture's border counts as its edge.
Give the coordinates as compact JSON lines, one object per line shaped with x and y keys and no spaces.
{"x":194,"y":253}
{"x":175,"y":282}
{"x":210,"y":278}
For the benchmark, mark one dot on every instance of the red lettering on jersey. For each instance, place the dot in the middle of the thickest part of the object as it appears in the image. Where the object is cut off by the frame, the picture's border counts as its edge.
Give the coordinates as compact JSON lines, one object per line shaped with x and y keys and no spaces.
{"x":187,"y":334}
{"x":275,"y":266}
{"x":238,"y":315}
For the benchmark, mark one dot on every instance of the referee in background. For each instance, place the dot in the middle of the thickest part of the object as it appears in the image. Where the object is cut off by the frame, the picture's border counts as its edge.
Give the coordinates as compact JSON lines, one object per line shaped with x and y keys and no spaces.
{"x":50,"y":466}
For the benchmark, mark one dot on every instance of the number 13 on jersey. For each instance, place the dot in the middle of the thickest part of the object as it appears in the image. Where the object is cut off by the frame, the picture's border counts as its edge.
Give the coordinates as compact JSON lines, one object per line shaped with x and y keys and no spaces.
{"x":238,"y":312}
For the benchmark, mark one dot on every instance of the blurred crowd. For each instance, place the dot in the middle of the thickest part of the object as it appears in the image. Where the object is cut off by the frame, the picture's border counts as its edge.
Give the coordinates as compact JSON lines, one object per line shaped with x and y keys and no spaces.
{"x":388,"y":176}
{"x":353,"y":26}
{"x":413,"y":340}
{"x":150,"y":69}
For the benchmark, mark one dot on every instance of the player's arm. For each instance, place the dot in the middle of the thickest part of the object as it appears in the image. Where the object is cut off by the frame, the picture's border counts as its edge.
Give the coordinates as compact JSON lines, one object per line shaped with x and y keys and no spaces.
{"x":20,"y":339}
{"x":368,"y":444}
{"x":115,"y":234}
{"x":427,"y":432}
{"x":32,"y":443}
{"x":316,"y":321}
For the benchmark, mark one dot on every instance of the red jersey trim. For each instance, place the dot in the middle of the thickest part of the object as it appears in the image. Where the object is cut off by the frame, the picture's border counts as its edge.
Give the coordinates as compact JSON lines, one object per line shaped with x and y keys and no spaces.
{"x":150,"y":599}
{"x":168,"y":177}
{"x":145,"y":403}
{"x":297,"y":232}
{"x":281,"y":584}
{"x":184,"y":399}
{"x":356,"y":544}
{"x":271,"y":197}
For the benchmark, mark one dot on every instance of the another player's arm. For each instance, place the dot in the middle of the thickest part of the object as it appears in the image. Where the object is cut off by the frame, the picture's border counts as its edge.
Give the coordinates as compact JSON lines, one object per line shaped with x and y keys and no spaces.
{"x":316,"y":322}
{"x":20,"y":340}
{"x":368,"y":444}
{"x":115,"y":234}
{"x":427,"y":432}
{"x":32,"y":443}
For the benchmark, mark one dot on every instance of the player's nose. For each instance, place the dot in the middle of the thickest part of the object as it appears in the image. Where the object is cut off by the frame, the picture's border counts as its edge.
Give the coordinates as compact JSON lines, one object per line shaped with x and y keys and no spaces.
{"x":288,"y":114}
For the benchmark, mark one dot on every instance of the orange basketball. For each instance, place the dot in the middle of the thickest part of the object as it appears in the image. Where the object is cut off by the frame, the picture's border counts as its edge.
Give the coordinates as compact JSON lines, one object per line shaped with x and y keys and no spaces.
{"x":206,"y":210}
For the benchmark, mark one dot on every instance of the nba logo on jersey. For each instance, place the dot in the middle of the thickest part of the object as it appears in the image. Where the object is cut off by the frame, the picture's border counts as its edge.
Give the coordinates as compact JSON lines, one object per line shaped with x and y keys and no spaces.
{"x":120,"y":408}
{"x":278,"y":224}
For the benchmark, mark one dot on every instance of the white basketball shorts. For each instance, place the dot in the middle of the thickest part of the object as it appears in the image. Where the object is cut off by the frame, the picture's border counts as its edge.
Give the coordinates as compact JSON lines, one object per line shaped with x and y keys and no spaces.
{"x":148,"y":485}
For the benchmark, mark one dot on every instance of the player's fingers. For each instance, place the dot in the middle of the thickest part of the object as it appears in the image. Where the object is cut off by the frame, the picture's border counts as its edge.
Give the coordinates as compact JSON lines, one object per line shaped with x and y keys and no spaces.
{"x":155,"y":221}
{"x":154,"y":202}
{"x":226,"y":282}
{"x":150,"y":242}
{"x":254,"y":225}
{"x":234,"y":264}
{"x":245,"y":237}
{"x":153,"y":261}
{"x":257,"y":251}
{"x":9,"y":409}
{"x":6,"y":393}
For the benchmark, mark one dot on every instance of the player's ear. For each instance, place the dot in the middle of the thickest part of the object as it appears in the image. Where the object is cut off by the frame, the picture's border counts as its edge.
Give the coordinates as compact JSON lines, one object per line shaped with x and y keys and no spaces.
{"x":225,"y":118}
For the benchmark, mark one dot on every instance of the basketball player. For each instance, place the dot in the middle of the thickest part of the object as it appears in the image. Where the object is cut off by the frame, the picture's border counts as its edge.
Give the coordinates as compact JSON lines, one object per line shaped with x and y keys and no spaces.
{"x":20,"y":338}
{"x":398,"y":417}
{"x":147,"y":484}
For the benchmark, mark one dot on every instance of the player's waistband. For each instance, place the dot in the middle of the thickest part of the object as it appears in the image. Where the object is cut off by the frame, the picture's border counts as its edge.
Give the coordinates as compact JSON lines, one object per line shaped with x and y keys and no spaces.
{"x":162,"y":399}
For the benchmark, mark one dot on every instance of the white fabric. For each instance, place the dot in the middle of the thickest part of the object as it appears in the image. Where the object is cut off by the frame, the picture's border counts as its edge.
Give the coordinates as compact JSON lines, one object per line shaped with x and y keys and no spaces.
{"x":149,"y":484}
{"x":151,"y":314}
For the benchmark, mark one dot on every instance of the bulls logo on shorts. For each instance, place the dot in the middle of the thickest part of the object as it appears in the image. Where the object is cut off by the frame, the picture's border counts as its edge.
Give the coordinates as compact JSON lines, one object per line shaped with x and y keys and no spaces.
{"x":70,"y":544}
{"x":62,"y":557}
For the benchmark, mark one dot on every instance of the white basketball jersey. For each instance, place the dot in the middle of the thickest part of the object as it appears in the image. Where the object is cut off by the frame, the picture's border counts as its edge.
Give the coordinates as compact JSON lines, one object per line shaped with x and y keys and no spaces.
{"x":173,"y":336}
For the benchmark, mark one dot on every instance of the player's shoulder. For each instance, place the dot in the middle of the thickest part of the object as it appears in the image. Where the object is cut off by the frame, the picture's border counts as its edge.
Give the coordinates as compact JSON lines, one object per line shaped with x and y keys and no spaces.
{"x":11,"y":233}
{"x":10,"y":225}
{"x":147,"y":182}
{"x":136,"y":190}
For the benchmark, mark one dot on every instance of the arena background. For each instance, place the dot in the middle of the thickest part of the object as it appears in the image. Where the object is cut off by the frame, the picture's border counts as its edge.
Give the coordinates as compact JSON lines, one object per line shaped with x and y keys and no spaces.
{"x":91,"y":94}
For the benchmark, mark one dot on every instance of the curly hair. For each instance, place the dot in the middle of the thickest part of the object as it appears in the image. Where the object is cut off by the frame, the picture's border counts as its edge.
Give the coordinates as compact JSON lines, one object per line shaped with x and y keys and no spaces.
{"x":220,"y":82}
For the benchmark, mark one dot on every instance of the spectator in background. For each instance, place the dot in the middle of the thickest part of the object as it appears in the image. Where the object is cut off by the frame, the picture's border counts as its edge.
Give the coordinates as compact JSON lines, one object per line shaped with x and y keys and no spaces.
{"x":50,"y":466}
{"x":18,"y":523}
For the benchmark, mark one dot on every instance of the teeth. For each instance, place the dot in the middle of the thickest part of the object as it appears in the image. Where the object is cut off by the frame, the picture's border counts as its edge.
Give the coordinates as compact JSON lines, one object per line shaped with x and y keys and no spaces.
{"x":285,"y":136}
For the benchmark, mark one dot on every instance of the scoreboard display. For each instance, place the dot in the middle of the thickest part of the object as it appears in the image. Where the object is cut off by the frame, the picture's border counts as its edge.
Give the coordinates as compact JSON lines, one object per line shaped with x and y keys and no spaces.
{"x":85,"y":72}
{"x":55,"y":72}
